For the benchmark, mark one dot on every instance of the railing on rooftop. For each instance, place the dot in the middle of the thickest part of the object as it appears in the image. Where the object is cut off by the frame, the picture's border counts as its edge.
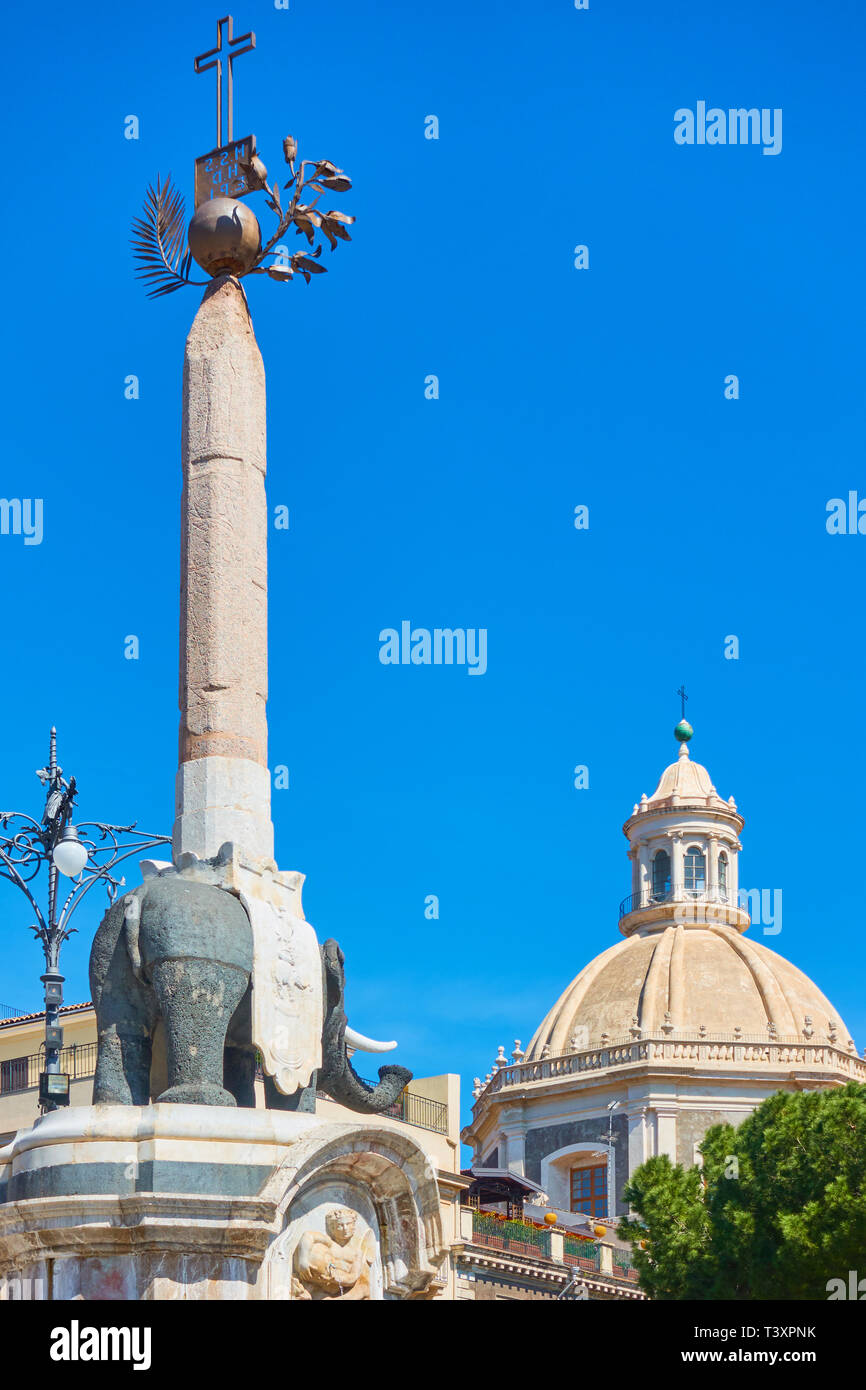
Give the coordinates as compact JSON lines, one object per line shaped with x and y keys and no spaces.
{"x":623,"y":1266}
{"x":513,"y":1237}
{"x":517,"y":1237}
{"x":581,"y":1254}
{"x":749,"y":1049}
{"x":7,"y":1011}
{"x":419,"y":1111}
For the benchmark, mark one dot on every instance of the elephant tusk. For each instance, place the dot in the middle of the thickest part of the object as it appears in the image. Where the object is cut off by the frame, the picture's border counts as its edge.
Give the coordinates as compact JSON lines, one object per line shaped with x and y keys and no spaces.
{"x":363,"y":1044}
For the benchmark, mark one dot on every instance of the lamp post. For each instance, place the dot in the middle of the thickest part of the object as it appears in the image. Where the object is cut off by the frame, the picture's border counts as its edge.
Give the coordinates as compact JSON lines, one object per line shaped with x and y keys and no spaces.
{"x":613,"y":1105}
{"x":86,"y":854}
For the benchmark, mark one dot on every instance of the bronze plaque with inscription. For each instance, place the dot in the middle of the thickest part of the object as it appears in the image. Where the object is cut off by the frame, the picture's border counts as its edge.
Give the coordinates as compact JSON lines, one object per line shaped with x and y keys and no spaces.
{"x":219,"y":174}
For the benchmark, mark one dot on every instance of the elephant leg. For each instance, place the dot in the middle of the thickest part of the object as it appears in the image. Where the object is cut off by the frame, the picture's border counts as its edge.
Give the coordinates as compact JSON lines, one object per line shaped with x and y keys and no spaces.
{"x":239,"y":1060}
{"x":122,"y":1069}
{"x":239,"y":1075}
{"x":196,"y":999}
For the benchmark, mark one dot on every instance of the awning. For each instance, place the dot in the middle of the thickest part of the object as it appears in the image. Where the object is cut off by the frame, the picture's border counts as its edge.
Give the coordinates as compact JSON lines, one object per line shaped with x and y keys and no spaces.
{"x":503,"y":1175}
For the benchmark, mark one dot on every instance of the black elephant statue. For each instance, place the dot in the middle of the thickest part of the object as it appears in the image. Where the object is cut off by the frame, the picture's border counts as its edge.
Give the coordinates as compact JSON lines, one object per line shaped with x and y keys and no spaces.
{"x":178,"y":952}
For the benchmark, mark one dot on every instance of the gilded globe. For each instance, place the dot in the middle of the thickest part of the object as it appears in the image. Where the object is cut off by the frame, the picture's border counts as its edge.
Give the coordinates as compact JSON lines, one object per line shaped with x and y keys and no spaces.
{"x":224,"y":236}
{"x":683,"y":731}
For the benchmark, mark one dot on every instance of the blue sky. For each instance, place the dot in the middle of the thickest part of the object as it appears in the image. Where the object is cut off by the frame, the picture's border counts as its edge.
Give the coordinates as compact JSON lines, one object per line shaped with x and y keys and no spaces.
{"x":558,"y":387}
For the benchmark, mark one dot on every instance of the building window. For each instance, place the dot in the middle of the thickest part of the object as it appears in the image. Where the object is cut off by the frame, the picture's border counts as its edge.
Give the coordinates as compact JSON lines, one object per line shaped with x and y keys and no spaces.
{"x":13,"y":1074}
{"x":589,"y":1190}
{"x":662,"y":875}
{"x":723,"y":876}
{"x":695,"y":871}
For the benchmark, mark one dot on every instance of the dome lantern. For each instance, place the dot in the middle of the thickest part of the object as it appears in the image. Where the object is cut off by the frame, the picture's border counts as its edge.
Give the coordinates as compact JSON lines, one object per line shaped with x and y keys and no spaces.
{"x":683,"y":846}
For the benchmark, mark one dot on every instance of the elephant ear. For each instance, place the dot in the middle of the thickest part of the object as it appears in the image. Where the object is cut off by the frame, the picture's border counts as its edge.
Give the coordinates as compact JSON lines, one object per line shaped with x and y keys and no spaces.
{"x":111,"y":935}
{"x":131,"y":903}
{"x":338,"y":1077}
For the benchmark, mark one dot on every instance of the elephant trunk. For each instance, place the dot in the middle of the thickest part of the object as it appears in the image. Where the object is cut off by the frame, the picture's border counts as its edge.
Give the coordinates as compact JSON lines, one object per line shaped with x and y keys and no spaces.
{"x":338,"y":1077}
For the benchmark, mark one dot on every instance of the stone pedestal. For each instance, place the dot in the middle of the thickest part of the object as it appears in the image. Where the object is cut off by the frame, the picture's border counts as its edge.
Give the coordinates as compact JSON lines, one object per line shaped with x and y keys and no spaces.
{"x":205,"y":1202}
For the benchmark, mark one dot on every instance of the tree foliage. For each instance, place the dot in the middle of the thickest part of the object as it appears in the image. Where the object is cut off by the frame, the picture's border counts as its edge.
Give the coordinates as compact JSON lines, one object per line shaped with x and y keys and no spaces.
{"x":776,"y":1212}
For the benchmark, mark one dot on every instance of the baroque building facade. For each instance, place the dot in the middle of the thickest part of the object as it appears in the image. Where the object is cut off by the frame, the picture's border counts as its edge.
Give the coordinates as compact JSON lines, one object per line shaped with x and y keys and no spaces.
{"x":684,"y":1023}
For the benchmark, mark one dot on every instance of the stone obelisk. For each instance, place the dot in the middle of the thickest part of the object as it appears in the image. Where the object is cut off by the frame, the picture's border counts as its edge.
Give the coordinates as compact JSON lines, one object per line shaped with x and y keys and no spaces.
{"x":223,"y":784}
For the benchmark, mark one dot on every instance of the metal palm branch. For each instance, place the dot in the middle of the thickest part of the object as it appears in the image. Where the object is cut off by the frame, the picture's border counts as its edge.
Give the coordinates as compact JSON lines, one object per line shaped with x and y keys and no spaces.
{"x":158,"y":240}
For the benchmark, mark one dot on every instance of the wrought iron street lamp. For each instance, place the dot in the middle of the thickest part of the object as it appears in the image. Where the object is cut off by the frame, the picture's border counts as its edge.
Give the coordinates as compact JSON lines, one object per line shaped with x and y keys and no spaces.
{"x":86,"y":854}
{"x":611,"y":1197}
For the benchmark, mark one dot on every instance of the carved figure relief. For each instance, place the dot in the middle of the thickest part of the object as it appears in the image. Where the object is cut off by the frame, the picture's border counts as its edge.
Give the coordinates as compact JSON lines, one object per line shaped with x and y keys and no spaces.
{"x":336,"y":1263}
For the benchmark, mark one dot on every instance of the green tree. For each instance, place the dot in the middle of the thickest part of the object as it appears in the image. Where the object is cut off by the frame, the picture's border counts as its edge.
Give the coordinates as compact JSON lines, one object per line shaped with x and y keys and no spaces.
{"x":777,"y":1211}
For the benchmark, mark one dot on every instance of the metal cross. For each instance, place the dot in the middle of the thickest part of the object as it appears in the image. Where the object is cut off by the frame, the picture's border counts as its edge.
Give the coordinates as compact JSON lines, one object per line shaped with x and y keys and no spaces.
{"x":683,"y":696}
{"x":231,"y":52}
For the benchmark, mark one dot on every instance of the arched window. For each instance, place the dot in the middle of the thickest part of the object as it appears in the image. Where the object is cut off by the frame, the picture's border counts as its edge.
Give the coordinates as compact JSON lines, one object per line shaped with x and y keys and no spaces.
{"x":723,"y":876}
{"x":662,"y":876}
{"x":695,"y":871}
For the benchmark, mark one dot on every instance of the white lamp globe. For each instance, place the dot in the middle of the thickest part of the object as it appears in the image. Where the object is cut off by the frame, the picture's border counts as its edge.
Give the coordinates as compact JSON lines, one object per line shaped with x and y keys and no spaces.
{"x":70,"y":855}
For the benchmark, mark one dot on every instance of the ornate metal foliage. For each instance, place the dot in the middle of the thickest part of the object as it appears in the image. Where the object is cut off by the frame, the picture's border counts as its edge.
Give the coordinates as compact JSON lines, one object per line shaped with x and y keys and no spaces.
{"x":158,"y":240}
{"x":159,"y":234}
{"x":319,"y":176}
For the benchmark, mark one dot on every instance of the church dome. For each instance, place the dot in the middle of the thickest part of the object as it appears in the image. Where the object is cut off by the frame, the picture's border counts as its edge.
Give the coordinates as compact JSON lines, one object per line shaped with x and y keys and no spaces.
{"x":687,"y":982}
{"x":685,"y":969}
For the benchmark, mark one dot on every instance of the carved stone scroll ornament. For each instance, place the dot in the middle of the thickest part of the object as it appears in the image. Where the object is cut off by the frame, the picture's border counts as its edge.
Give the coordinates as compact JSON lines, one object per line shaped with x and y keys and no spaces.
{"x":287,"y":994}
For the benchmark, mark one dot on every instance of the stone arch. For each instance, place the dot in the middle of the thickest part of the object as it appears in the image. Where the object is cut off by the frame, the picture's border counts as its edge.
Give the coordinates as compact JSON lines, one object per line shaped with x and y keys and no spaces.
{"x":391,"y":1173}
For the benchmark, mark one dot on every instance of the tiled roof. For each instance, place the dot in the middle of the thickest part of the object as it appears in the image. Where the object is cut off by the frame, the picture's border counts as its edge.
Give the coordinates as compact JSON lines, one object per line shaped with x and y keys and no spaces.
{"x":30,"y":1018}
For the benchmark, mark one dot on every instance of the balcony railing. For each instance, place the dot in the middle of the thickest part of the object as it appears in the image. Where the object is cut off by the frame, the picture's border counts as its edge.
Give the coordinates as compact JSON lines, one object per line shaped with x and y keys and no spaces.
{"x":582,"y":1254}
{"x":513,"y":1237}
{"x":623,"y":1266}
{"x":648,"y":897}
{"x":22,"y":1073}
{"x":419,"y":1111}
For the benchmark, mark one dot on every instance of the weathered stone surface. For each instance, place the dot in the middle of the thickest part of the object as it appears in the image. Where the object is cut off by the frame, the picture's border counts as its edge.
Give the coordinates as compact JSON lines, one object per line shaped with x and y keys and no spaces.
{"x":212,"y":1203}
{"x":223,"y":628}
{"x":221,"y":799}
